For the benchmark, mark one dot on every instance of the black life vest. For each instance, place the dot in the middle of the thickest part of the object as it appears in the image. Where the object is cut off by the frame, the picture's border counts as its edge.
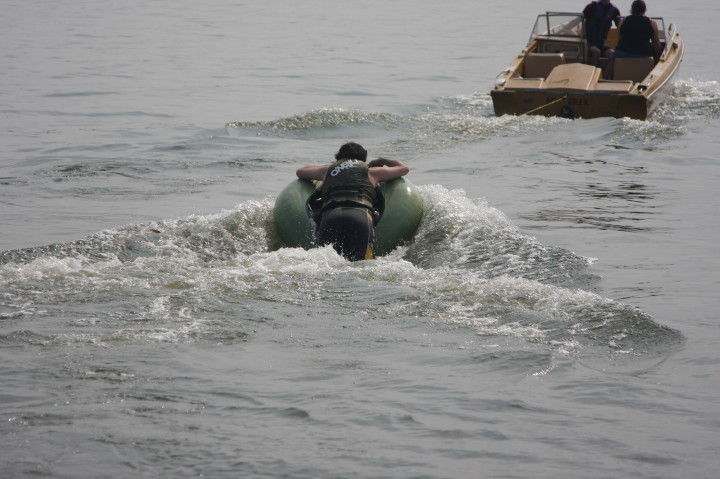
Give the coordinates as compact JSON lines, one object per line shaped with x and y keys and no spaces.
{"x":347,"y":184}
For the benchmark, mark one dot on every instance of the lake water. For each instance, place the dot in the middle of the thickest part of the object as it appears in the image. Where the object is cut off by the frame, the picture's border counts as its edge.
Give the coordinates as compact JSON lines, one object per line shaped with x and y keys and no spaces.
{"x":556,"y":315}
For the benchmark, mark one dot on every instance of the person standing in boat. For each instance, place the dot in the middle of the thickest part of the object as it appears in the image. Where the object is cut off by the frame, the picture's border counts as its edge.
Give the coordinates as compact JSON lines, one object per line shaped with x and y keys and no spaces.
{"x":349,"y":199}
{"x":599,"y":17}
{"x":639,"y":37}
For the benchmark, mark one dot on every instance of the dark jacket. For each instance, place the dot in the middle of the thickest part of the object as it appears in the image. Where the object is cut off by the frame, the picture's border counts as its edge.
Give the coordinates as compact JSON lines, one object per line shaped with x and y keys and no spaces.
{"x":636,"y":32}
{"x":598,"y":21}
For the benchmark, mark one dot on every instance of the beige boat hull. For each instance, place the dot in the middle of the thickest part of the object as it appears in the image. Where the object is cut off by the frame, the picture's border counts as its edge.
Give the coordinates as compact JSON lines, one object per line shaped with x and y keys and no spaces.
{"x":570,"y":104}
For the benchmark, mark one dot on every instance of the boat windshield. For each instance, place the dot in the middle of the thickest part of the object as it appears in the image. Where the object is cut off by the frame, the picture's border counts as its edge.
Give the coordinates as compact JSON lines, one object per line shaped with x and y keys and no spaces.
{"x":559,"y":25}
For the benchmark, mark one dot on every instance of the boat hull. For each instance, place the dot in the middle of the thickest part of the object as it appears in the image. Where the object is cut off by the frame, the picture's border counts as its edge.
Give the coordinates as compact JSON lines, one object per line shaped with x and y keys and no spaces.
{"x":570,"y":104}
{"x":399,"y":222}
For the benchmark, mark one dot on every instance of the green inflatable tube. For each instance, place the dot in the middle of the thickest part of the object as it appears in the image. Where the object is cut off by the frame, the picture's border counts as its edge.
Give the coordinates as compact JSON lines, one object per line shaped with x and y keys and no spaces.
{"x":399,"y":222}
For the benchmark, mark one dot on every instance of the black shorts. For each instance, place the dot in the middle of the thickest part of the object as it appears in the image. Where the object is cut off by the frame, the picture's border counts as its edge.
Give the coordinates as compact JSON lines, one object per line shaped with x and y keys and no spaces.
{"x":350,"y":231}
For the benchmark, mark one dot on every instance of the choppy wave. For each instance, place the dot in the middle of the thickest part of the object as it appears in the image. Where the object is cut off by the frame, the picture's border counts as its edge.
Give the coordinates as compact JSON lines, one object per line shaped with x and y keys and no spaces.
{"x":217,"y":277}
{"x":451,"y":121}
{"x":467,"y":233}
{"x":320,"y":123}
{"x":692,"y":100}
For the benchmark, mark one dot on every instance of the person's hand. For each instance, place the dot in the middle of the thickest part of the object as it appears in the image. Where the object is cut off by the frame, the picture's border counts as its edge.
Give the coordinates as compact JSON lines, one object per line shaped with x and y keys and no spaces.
{"x":379,"y":162}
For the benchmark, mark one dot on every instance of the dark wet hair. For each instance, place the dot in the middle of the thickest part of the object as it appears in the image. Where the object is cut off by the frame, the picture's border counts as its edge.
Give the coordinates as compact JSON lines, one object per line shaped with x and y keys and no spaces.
{"x":638,"y":7}
{"x":351,"y":151}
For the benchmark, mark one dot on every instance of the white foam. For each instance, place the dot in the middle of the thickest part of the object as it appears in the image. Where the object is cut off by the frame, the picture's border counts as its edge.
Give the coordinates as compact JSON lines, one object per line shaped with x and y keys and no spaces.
{"x":49,"y":267}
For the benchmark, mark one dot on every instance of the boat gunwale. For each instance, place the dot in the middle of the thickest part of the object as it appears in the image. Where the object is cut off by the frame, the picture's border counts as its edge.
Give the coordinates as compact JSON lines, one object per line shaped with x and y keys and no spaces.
{"x":675,"y":65}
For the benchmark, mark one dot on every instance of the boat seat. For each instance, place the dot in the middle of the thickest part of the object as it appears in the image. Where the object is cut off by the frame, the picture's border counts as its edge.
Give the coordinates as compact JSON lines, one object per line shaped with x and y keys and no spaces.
{"x":524,"y":84}
{"x":539,"y":65}
{"x":573,"y":48}
{"x":614,"y":86}
{"x":635,"y":69}
{"x":613,"y":37}
{"x":573,"y":77}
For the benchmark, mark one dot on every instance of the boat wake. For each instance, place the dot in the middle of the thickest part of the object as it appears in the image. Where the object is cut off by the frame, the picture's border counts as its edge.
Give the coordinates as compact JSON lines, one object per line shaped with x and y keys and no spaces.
{"x":213,"y":278}
{"x":317,"y":124}
{"x":456,"y":119}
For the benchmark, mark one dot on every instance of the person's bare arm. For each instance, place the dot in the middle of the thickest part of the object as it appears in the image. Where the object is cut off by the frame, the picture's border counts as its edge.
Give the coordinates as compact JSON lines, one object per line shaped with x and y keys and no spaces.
{"x":312,"y":172}
{"x":385,"y":169}
{"x":655,"y":40}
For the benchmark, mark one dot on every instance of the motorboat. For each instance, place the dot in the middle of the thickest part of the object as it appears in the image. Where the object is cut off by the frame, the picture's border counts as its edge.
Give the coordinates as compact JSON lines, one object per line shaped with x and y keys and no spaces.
{"x":552,"y":76}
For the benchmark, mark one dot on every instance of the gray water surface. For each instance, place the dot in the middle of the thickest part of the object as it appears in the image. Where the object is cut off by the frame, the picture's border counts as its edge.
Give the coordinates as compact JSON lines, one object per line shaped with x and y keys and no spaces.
{"x":556,"y":315}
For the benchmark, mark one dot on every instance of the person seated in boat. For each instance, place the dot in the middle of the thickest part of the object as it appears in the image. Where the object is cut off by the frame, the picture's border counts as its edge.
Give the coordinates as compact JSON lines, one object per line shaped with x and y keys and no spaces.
{"x":639,"y":37}
{"x":599,"y":17}
{"x":349,"y":199}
